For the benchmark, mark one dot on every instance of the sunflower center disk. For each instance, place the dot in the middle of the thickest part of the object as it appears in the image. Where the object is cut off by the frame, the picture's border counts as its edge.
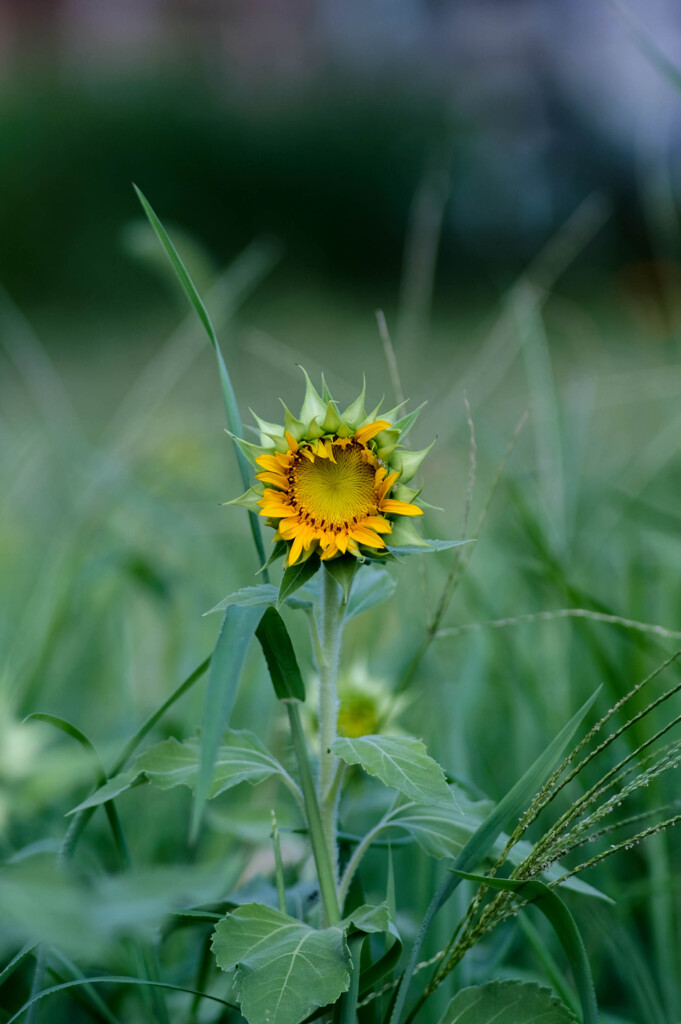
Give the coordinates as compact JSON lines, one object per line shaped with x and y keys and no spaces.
{"x":335,"y":493}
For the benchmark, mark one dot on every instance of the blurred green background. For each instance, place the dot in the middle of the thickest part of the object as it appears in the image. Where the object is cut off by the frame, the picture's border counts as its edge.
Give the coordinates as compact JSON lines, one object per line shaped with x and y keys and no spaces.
{"x":502,"y":180}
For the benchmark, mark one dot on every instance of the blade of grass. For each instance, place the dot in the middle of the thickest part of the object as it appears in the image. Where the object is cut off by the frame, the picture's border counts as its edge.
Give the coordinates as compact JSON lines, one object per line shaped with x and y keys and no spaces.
{"x":229,"y":398}
{"x":238,"y":626}
{"x":112,"y":980}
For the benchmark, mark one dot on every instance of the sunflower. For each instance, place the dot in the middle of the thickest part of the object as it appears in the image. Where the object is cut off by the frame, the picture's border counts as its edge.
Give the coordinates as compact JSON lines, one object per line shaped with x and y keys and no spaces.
{"x":334,"y":483}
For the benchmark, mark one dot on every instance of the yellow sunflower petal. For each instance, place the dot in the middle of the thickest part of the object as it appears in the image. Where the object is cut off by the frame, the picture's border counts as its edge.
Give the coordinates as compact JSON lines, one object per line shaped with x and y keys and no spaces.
{"x":387,"y":484}
{"x":368,"y":537}
{"x":341,"y":542}
{"x":269,"y":462}
{"x":291,"y":441}
{"x":296,"y":550}
{"x":365,"y":434}
{"x":288,"y":528}
{"x":329,"y":552}
{"x":278,"y":479}
{"x":308,"y":454}
{"x":399,"y":508}
{"x":377,"y":523}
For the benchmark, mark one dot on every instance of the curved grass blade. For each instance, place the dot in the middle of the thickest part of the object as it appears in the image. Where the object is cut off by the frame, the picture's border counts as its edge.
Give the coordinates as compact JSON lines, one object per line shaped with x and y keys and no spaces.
{"x":564,"y":925}
{"x":75,"y":733}
{"x":100,"y":777}
{"x":17,"y":961}
{"x":113,"y":980}
{"x":482,"y":840}
{"x":229,"y":398}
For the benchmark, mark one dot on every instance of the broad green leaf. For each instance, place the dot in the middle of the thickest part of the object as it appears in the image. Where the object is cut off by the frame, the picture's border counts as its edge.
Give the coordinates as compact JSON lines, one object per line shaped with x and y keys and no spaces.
{"x":280,"y":656}
{"x":238,"y":626}
{"x":506,"y":1002}
{"x":368,"y":918}
{"x":296,"y":576}
{"x":400,"y":762}
{"x":439,"y":830}
{"x":244,"y":758}
{"x":551,"y":905}
{"x":505,"y":814}
{"x":370,"y":588}
{"x":283,"y":969}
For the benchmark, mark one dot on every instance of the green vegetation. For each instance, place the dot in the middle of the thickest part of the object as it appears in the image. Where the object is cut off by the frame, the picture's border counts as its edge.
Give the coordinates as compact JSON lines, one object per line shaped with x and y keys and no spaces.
{"x":501,"y":656}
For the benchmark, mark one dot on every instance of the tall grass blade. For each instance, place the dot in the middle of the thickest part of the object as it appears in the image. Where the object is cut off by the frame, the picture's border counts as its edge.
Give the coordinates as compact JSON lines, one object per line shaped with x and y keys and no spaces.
{"x":229,"y":398}
{"x":238,"y":626}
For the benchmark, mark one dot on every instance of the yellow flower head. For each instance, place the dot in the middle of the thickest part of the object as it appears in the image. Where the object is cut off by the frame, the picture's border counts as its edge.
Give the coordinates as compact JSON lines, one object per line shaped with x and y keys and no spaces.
{"x":335,"y":483}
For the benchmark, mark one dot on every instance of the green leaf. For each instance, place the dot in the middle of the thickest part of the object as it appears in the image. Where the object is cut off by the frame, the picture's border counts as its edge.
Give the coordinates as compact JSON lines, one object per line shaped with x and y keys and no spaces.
{"x":343,"y":570}
{"x":278,"y":549}
{"x":370,"y":588}
{"x":439,"y":830}
{"x":506,"y":1002}
{"x":552,"y":906}
{"x":263,"y":595}
{"x":238,"y":626}
{"x":283,"y":969}
{"x":280,"y":656}
{"x":297,"y":576}
{"x":369,"y":919}
{"x":111,"y":789}
{"x":400,"y":762}
{"x":409,"y":542}
{"x":243,"y":758}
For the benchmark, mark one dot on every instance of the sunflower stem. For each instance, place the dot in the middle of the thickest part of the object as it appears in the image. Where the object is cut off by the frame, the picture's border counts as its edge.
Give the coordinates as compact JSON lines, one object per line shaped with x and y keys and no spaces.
{"x":330,"y":629}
